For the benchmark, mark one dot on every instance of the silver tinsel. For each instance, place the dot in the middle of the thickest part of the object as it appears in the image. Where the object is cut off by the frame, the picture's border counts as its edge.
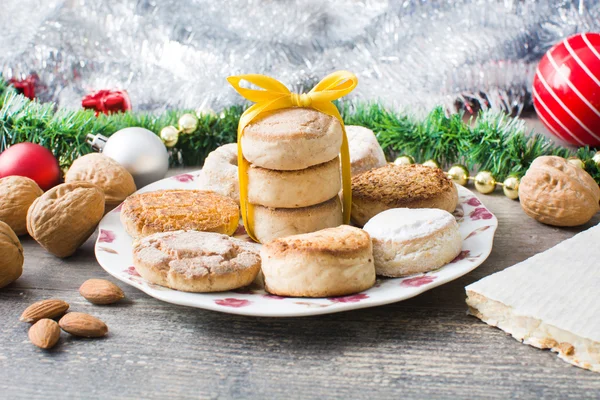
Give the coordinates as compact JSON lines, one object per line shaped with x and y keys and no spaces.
{"x":177,"y":53}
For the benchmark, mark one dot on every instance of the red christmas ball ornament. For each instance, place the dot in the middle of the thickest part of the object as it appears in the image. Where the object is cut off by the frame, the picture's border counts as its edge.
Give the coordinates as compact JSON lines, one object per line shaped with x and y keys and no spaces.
{"x":33,"y":161}
{"x":566,"y":90}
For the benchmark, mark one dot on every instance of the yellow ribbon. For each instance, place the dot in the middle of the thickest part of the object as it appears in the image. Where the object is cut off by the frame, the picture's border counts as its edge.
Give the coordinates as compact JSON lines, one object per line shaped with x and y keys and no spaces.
{"x":276,"y":96}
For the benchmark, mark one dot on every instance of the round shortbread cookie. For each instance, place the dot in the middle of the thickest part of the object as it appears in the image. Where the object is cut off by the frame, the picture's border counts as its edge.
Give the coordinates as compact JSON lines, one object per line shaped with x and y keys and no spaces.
{"x":292,"y":139}
{"x":194,"y":261}
{"x":330,"y":262}
{"x":172,"y":210}
{"x":408,"y":241}
{"x":273,"y":223}
{"x":397,"y":186}
{"x":294,"y":189}
{"x":220,"y":172}
{"x":365,"y":151}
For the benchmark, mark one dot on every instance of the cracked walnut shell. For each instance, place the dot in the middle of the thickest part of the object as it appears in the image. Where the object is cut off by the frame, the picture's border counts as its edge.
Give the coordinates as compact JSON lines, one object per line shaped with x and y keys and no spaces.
{"x":555,"y":192}
{"x":11,"y":259}
{"x":16,"y":195}
{"x":64,"y":217}
{"x":116,"y":182}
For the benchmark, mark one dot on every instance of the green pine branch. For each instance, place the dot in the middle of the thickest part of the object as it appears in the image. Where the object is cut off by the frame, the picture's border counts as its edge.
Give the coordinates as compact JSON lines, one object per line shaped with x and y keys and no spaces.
{"x":492,"y":141}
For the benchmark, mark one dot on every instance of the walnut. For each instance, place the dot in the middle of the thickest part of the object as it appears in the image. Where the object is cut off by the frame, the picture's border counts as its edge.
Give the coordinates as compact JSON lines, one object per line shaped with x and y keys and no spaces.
{"x":116,"y":182}
{"x":11,"y":261}
{"x":555,"y":192}
{"x":16,"y":195}
{"x":64,"y":217}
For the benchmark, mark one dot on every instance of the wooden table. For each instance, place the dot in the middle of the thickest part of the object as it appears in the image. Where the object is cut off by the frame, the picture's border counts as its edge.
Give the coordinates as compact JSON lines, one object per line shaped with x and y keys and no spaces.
{"x":426,"y":347}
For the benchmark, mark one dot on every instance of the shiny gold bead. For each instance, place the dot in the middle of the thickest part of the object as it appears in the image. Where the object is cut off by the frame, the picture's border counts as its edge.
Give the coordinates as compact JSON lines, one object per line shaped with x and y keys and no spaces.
{"x":431,"y":163}
{"x":576,"y":162}
{"x":485,"y":182}
{"x":205,"y":111}
{"x":596,"y":159}
{"x":169,"y":135}
{"x":511,"y":187}
{"x":459,"y":174}
{"x":404,"y":160}
{"x":188,"y":123}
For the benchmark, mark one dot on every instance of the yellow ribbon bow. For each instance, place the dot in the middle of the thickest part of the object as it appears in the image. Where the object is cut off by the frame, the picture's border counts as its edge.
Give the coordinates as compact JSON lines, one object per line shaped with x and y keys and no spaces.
{"x":276,"y":96}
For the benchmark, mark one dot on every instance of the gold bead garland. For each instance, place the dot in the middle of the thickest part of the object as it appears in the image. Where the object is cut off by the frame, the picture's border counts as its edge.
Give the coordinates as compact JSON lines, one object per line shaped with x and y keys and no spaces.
{"x":484,"y":181}
{"x":169,"y":135}
{"x":187,"y":124}
{"x":577,"y":162}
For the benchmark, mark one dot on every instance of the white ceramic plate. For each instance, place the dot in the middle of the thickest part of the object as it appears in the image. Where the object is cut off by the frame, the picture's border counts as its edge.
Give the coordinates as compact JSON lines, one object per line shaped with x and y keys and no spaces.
{"x":477,"y":226}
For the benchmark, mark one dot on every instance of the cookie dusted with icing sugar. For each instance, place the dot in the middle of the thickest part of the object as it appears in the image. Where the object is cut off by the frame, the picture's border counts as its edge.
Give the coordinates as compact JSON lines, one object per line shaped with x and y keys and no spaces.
{"x":399,"y":186}
{"x":330,"y":262}
{"x":365,"y":151}
{"x":194,"y":261}
{"x":292,"y":139}
{"x":409,"y":241}
{"x":220,"y":172}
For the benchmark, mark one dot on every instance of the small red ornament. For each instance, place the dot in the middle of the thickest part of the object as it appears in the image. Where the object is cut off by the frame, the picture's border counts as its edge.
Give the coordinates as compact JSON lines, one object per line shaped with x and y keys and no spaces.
{"x":26,"y":86}
{"x":107,"y":101}
{"x":33,"y":161}
{"x":566,"y":90}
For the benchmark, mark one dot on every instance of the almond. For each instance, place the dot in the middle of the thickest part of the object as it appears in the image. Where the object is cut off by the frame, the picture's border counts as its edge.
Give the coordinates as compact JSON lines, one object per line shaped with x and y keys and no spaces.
{"x":101,"y":291}
{"x":50,"y":308}
{"x":80,"y":324}
{"x":44,"y":333}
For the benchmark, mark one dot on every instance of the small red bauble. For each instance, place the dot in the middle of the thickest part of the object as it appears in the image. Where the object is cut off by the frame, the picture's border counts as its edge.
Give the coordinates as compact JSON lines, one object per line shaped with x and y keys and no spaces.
{"x":33,"y":161}
{"x":566,"y":90}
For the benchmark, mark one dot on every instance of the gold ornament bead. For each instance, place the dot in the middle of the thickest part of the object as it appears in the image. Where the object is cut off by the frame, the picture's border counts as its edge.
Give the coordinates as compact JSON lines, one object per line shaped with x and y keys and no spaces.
{"x":205,"y":111}
{"x":404,"y":160}
{"x":511,"y":187}
{"x":596,"y":159}
{"x":485,"y":182}
{"x":576,"y":162}
{"x":459,"y":174}
{"x":169,"y":135}
{"x":431,"y":163}
{"x":188,"y":123}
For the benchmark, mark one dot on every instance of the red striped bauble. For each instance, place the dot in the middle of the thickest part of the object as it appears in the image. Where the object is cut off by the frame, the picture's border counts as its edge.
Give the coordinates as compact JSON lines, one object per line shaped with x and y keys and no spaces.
{"x":566,"y":90}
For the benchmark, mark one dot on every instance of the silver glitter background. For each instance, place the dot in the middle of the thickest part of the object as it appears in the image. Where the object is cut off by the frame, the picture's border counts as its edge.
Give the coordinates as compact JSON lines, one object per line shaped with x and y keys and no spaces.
{"x":176,"y":53}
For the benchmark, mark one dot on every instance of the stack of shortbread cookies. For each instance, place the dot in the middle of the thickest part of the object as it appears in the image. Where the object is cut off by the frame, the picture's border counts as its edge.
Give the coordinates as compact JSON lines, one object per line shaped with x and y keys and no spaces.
{"x":294,"y":178}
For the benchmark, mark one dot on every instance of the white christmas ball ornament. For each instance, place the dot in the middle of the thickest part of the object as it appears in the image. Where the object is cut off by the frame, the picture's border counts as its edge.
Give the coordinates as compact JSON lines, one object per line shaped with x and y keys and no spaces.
{"x":139,"y":150}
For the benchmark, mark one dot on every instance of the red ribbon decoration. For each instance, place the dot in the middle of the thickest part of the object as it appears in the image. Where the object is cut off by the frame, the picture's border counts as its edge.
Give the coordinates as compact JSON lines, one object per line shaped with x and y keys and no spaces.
{"x":25,"y":86}
{"x":107,"y":101}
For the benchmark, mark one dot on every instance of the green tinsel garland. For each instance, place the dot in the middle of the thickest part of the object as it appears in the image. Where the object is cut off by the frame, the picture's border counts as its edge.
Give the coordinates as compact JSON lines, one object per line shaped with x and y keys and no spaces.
{"x":493,"y":141}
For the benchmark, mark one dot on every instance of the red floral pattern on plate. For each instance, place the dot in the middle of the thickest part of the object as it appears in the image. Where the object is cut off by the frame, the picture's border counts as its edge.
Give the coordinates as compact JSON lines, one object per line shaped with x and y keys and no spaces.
{"x":354,"y":298}
{"x":132,"y":271}
{"x":461,"y":256}
{"x":184,"y":178}
{"x":118,"y":208}
{"x":106,"y":236}
{"x":480,"y":213}
{"x":473,"y":201}
{"x":478,"y":231}
{"x":418,"y":281}
{"x":458,"y":212}
{"x":231,"y":302}
{"x":107,"y":249}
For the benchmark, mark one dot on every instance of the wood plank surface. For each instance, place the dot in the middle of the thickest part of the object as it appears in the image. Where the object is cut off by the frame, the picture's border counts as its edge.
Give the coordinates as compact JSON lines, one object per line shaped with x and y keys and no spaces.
{"x":426,"y":347}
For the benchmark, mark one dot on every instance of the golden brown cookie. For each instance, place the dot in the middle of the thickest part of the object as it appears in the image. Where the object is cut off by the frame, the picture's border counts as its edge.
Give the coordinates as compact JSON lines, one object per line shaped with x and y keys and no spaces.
{"x":193,"y":261}
{"x":330,"y":262}
{"x":172,"y":210}
{"x":398,"y":186}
